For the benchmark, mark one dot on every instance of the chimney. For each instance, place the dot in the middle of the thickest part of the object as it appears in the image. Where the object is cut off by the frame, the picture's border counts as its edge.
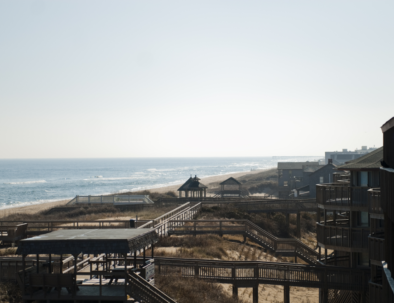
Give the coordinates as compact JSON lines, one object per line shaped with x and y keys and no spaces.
{"x":329,"y":161}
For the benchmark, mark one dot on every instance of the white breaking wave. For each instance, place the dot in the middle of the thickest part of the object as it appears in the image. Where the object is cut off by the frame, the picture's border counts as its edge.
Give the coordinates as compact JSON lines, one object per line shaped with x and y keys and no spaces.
{"x":26,"y":182}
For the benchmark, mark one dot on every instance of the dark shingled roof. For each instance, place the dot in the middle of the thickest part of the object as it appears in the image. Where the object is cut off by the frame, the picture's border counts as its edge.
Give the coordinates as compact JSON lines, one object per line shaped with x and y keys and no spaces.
{"x":192,"y":183}
{"x":295,"y":165}
{"x":311,"y":168}
{"x":389,"y":124}
{"x":89,"y":241}
{"x":230,"y":181}
{"x":370,"y":161}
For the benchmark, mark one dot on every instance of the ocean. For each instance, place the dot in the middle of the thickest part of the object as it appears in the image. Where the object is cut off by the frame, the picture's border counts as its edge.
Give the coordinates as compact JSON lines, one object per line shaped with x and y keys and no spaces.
{"x":28,"y":182}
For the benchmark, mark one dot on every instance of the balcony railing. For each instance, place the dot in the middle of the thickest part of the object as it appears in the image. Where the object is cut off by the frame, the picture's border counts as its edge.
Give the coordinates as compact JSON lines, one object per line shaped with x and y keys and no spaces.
{"x":375,"y":291}
{"x":388,"y":285}
{"x":376,"y":247}
{"x":343,"y":261}
{"x":355,"y":237}
{"x":374,"y":203}
{"x":341,"y":195}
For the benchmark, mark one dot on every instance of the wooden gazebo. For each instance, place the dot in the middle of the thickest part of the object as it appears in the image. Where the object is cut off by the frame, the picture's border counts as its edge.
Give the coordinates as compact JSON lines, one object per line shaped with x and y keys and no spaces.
{"x":231,"y":188}
{"x":193,"y":188}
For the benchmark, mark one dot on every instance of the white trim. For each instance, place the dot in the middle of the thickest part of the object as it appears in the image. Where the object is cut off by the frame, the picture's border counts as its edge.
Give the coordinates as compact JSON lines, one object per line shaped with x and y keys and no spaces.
{"x":390,"y":170}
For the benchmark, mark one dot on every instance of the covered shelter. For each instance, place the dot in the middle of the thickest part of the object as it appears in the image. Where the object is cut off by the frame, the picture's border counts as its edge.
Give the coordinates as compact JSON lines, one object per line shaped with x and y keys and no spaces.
{"x":111,"y":254}
{"x":231,"y":188}
{"x":193,"y":188}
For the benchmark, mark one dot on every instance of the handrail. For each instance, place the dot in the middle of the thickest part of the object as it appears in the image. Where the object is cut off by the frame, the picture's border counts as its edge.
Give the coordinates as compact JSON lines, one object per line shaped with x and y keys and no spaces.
{"x":146,"y":291}
{"x":253,"y":272}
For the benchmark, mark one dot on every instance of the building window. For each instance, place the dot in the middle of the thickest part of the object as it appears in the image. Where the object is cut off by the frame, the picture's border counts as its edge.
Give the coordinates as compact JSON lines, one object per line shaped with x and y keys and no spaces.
{"x":363,"y":259}
{"x":363,"y":178}
{"x":285,"y":183}
{"x":321,"y":180}
{"x":290,"y":172}
{"x":363,"y":219}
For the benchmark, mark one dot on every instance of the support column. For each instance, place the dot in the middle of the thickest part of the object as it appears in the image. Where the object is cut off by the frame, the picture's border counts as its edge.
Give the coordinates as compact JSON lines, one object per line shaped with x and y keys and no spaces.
{"x":323,"y":293}
{"x":38,"y":263}
{"x":299,"y":225}
{"x":235,"y":291}
{"x":135,"y":259}
{"x":256,"y":294}
{"x":152,"y":251}
{"x":144,"y":258}
{"x":286,"y":294}
{"x":50,"y":264}
{"x":288,"y":223}
{"x":24,"y":273}
{"x":61,"y":264}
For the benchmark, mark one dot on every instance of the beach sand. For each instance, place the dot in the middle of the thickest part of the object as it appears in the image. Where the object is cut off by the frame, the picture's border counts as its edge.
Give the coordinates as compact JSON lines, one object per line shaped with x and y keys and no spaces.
{"x":31,"y":209}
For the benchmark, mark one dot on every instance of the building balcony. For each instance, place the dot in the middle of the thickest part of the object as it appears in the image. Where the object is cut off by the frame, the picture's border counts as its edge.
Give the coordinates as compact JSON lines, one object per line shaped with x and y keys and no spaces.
{"x":376,"y":248}
{"x":342,"y":196}
{"x":343,"y":238}
{"x":375,"y":291}
{"x":374,"y":203}
{"x":387,"y":191}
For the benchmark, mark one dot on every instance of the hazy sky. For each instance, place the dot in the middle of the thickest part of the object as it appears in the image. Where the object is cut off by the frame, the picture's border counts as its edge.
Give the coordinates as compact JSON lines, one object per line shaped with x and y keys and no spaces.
{"x":193,"y":78}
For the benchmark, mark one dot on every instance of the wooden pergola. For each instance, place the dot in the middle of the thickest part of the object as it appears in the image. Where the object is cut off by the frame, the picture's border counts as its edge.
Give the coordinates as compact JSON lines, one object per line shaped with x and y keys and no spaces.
{"x":193,"y":188}
{"x":113,"y":259}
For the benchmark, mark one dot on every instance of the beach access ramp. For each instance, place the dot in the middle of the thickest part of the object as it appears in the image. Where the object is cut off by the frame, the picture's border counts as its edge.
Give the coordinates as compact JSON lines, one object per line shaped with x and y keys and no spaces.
{"x":117,"y":200}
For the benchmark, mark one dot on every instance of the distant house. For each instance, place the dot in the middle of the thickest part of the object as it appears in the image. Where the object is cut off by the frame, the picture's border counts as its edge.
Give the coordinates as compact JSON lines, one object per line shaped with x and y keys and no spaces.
{"x":324,"y":174}
{"x":292,"y":175}
{"x":341,"y":157}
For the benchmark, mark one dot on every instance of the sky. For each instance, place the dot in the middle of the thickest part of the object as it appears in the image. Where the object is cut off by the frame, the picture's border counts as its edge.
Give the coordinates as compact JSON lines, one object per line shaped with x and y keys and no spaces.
{"x":109,"y":79}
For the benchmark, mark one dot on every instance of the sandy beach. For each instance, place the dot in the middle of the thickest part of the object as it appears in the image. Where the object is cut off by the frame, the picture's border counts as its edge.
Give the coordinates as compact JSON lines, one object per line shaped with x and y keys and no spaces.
{"x":31,"y":209}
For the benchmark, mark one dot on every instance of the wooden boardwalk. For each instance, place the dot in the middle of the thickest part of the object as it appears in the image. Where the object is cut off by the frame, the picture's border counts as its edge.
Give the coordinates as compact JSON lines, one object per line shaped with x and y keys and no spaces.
{"x":251,"y":274}
{"x":280,"y":246}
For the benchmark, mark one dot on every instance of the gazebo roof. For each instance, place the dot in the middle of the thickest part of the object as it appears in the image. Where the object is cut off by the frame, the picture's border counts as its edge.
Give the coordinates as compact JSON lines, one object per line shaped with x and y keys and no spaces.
{"x":230,"y":181}
{"x":89,"y":241}
{"x":192,"y":184}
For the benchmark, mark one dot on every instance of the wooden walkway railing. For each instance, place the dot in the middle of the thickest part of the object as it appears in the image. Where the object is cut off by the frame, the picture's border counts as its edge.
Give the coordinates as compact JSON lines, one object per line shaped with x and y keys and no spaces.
{"x":288,"y":206}
{"x":247,"y":274}
{"x":144,"y":291}
{"x":280,"y":246}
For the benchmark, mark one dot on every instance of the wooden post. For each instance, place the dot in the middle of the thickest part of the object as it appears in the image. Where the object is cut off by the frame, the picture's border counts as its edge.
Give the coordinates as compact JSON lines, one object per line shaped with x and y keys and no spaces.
{"x":50,"y":264}
{"x":135,"y":259}
{"x":75,"y":266}
{"x":144,"y":257}
{"x":125,"y":275}
{"x":235,"y":291}
{"x":286,"y":293}
{"x":38,"y":263}
{"x":24,"y":272}
{"x":256,"y":294}
{"x":152,"y":246}
{"x":61,"y":264}
{"x":299,"y":225}
{"x":288,"y":223}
